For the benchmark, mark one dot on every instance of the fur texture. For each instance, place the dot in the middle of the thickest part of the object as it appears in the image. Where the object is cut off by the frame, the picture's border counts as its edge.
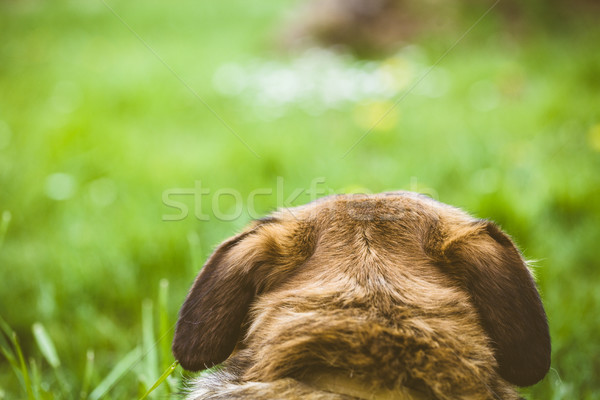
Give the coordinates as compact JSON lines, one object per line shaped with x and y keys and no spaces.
{"x":365,"y":297}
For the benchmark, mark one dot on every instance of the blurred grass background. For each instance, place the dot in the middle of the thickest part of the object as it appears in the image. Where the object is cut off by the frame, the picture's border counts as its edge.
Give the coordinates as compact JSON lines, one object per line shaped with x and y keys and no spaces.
{"x":94,"y":128}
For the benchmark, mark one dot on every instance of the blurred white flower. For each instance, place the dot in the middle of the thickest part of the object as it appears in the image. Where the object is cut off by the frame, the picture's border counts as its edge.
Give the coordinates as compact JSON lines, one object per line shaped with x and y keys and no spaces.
{"x":320,"y":79}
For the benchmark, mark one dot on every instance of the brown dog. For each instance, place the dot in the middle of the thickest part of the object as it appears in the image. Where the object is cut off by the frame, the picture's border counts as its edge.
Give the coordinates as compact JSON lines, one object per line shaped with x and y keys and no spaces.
{"x":389,"y":296}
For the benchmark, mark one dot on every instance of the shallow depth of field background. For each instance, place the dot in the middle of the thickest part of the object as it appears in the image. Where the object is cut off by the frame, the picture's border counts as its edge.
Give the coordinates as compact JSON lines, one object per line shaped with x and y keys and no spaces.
{"x":94,"y":128}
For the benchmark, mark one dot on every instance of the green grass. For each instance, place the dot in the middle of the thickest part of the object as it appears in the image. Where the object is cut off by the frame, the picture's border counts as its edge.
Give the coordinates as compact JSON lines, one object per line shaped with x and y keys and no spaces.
{"x":142,"y":363}
{"x":89,"y":114}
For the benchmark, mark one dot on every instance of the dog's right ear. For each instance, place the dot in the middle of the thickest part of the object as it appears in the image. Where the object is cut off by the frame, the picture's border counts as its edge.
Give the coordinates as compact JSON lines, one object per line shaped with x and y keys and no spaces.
{"x":211,"y":317}
{"x":489,"y":266}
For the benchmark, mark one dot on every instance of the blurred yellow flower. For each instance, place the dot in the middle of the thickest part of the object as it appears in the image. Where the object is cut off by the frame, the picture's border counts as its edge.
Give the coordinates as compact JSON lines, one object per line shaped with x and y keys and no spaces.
{"x":377,"y":115}
{"x":397,"y":73}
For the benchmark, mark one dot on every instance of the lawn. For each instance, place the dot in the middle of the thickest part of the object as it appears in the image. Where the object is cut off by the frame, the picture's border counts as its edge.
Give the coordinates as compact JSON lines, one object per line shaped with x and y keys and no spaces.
{"x":114,"y":116}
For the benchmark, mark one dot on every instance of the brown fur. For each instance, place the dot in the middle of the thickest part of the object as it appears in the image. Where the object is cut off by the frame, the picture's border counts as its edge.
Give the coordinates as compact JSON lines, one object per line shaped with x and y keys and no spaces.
{"x":396,"y":294}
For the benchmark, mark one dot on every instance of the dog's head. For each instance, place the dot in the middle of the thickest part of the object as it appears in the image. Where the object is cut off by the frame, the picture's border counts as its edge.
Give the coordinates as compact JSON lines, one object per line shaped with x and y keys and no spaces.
{"x":380,"y":243}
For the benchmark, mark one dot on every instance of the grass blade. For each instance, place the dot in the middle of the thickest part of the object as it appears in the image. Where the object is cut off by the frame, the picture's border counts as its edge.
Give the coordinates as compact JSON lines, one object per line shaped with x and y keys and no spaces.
{"x":48,"y":350}
{"x":5,"y":328}
{"x":23,"y":365}
{"x":36,"y":379}
{"x":9,"y":357}
{"x":148,"y":342}
{"x":7,"y":352}
{"x":87,"y":376}
{"x":5,"y":334}
{"x":116,"y":373}
{"x":163,"y":323}
{"x":4,"y":222}
{"x":161,"y":379}
{"x":45,"y":344}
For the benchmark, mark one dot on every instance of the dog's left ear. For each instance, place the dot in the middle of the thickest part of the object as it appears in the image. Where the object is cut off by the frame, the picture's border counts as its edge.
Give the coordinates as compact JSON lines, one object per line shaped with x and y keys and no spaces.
{"x":487,"y":263}
{"x":211,"y":318}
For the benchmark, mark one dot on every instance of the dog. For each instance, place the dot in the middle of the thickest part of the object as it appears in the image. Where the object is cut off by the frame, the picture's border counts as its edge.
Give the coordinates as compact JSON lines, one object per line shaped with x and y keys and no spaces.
{"x":386,"y":296}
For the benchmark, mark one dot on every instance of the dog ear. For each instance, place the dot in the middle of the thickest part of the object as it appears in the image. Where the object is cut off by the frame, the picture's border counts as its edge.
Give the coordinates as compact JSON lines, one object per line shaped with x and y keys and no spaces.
{"x":211,"y":317}
{"x":253,"y":262}
{"x":502,"y":288}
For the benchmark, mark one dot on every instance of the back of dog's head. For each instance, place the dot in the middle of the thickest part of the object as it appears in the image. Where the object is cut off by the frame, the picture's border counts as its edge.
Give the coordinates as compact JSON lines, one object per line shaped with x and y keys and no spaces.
{"x":347,"y":271}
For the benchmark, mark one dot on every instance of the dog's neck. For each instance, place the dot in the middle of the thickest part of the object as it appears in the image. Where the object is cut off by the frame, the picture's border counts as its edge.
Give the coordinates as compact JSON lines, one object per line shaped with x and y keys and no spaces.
{"x":341,"y":383}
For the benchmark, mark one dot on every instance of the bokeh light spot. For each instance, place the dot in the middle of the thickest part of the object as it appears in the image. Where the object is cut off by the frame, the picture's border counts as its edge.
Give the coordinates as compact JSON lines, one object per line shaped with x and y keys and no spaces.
{"x":60,"y":186}
{"x":103,"y":192}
